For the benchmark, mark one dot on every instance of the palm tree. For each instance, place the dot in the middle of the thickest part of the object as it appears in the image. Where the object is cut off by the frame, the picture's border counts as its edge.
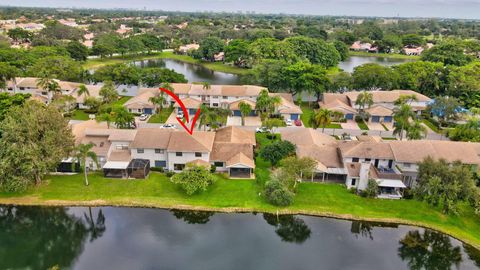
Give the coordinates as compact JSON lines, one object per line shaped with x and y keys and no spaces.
{"x":158,"y":102}
{"x":263,"y":103}
{"x":204,"y":117}
{"x":107,"y":117}
{"x":416,"y":131}
{"x":206,"y":86}
{"x":364,"y":99}
{"x":83,"y":152}
{"x":169,"y":87}
{"x":402,"y":116}
{"x":321,"y":118}
{"x":245,"y":110}
{"x":275,"y":101}
{"x":83,"y":90}
{"x":47,"y":83}
{"x":406,"y":99}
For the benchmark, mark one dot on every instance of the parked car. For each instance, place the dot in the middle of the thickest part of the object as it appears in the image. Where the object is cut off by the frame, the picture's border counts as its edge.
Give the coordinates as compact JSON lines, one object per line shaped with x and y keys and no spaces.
{"x":180,"y":114}
{"x":172,"y":126}
{"x":262,"y":130}
{"x":143,"y":117}
{"x":288,"y":122}
{"x":298,"y":123}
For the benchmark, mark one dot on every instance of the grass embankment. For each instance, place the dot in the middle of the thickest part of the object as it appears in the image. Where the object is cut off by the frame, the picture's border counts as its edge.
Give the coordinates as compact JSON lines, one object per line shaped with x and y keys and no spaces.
{"x":243,"y":195}
{"x":217,"y":66}
{"x":331,"y":200}
{"x":386,"y":55}
{"x":162,"y":116}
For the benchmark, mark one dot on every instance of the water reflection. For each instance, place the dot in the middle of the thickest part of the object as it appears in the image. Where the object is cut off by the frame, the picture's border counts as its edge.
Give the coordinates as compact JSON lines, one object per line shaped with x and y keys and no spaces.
{"x":429,"y":250}
{"x":354,"y":61}
{"x":365,"y":229}
{"x":192,"y":72}
{"x":96,"y":227}
{"x":290,"y":228}
{"x":473,"y":254}
{"x":193,"y":217}
{"x":45,"y":236}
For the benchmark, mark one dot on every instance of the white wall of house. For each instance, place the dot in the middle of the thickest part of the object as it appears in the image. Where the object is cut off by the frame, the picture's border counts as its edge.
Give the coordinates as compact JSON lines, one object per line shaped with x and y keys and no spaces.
{"x":381,"y":162}
{"x":150,"y":154}
{"x":186,"y":157}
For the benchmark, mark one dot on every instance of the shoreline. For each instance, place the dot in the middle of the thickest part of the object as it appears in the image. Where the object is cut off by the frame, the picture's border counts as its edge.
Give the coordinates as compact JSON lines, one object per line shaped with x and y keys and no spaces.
{"x":26,"y":201}
{"x":214,"y":66}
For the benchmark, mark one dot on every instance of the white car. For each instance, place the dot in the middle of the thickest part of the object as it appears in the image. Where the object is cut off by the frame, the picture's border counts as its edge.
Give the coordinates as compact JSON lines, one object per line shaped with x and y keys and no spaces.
{"x":262,"y":130}
{"x":172,"y":126}
{"x":180,"y":114}
{"x":143,"y":117}
{"x":289,"y":122}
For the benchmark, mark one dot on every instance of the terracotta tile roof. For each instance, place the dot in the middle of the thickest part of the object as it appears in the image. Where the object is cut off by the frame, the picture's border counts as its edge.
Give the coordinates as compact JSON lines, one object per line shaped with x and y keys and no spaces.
{"x":240,"y":159}
{"x":327,"y":155}
{"x":379,"y":110}
{"x":151,"y":138}
{"x":101,"y":144}
{"x":199,"y":141}
{"x":286,"y":96}
{"x":373,"y":150}
{"x":416,"y":151}
{"x":307,"y":136}
{"x":120,"y":155}
{"x":338,"y":106}
{"x":288,"y":107}
{"x":190,"y":103}
{"x":141,"y":100}
{"x":78,"y":129}
{"x":181,"y":88}
{"x":122,"y":134}
{"x":353,"y":168}
{"x":387,"y":96}
{"x":331,"y":97}
{"x":235,"y":135}
{"x":236,"y":105}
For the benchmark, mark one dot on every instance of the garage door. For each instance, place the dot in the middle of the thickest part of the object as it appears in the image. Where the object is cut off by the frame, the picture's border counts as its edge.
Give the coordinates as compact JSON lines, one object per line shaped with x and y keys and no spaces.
{"x":349,"y":116}
{"x":387,"y":119}
{"x":294,"y":116}
{"x":375,"y":119}
{"x":237,"y":113}
{"x":147,"y":111}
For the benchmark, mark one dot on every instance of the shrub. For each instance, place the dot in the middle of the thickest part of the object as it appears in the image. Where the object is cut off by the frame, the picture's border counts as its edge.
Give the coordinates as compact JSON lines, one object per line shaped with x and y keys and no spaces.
{"x":170,"y":174}
{"x":277,"y":194}
{"x":213,"y":168}
{"x":276,"y":151}
{"x":157,"y":169}
{"x":193,"y":179}
{"x":372,"y":189}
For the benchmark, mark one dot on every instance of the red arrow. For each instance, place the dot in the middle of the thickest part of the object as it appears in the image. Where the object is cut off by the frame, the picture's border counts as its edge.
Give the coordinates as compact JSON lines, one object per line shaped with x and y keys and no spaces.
{"x":185,"y":112}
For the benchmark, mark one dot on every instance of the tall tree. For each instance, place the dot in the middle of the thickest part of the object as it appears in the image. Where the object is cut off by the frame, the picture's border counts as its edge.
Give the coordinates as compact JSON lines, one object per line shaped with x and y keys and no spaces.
{"x":321,"y":118}
{"x":108,"y":92}
{"x":402,"y":116}
{"x":7,"y":73}
{"x":416,"y":130}
{"x":364,"y":100}
{"x":84,"y":153}
{"x":245,"y":110}
{"x":35,"y":138}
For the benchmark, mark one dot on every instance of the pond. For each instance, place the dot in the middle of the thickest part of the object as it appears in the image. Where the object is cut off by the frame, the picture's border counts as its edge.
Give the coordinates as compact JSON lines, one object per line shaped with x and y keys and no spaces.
{"x":192,"y":72}
{"x":136,"y":238}
{"x":355,"y":61}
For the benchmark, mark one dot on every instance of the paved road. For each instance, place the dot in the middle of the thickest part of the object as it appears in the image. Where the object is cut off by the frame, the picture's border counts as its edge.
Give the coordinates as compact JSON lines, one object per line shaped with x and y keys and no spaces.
{"x":352,"y":132}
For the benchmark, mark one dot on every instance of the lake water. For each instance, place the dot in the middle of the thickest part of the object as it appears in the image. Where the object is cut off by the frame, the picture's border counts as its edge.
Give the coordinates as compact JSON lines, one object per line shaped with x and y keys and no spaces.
{"x":355,"y":61}
{"x":136,"y":238}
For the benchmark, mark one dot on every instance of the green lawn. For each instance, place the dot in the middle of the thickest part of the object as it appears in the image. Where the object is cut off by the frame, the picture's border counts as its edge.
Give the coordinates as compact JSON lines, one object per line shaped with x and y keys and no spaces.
{"x":307,"y":114}
{"x":162,"y":116}
{"x":431,"y":126}
{"x":387,"y":55}
{"x":121,"y":100}
{"x":79,"y":115}
{"x":228,"y":195}
{"x":362,"y":125}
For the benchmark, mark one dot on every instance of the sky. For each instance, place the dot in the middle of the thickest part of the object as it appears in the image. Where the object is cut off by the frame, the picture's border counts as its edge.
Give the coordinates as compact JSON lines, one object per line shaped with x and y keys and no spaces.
{"x":466,"y":9}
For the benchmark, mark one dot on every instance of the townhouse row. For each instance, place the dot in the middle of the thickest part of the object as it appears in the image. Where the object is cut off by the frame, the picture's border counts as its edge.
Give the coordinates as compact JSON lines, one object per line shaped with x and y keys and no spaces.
{"x":192,"y":95}
{"x":382,"y":109}
{"x":393,"y":164}
{"x":132,"y":153}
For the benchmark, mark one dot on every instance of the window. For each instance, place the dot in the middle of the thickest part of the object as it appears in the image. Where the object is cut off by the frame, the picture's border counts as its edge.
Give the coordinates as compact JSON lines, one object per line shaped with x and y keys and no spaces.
{"x":102,"y":144}
{"x":139,"y":110}
{"x":198,"y":154}
{"x":158,"y":151}
{"x":225,"y":97}
{"x":44,"y":93}
{"x":407,"y":165}
{"x":354,"y":181}
{"x":355,"y":159}
{"x":179,"y":154}
{"x":218,"y":164}
{"x":215,"y":104}
{"x":178,"y":167}
{"x":367,"y":160}
{"x":22,"y":88}
{"x":140,"y":151}
{"x":160,"y":163}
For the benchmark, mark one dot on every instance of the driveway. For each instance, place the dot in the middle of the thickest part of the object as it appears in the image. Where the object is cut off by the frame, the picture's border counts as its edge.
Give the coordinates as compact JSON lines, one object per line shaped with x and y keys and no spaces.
{"x":250,"y":121}
{"x":350,"y":124}
{"x":375,"y":126}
